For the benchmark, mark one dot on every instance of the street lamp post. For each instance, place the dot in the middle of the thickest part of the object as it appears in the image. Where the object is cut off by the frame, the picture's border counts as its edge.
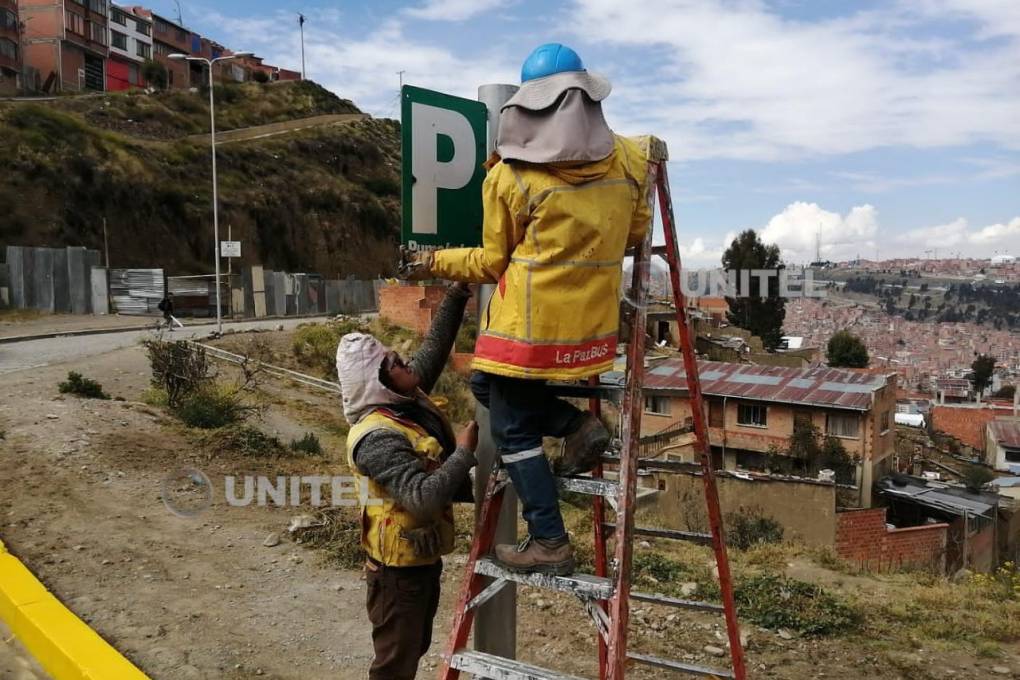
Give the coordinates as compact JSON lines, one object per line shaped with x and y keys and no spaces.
{"x":215,"y":187}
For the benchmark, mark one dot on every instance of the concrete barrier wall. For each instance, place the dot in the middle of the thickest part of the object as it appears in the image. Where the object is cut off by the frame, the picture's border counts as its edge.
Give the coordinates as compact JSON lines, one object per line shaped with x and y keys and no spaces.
{"x":99,"y":300}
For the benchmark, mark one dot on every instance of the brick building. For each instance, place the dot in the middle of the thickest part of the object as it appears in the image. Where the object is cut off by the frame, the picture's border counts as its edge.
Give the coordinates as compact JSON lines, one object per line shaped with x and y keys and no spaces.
{"x":751,"y":411}
{"x":169,"y":38}
{"x":67,"y":43}
{"x":410,"y":306}
{"x":130,"y":47}
{"x":864,"y":539}
{"x":10,"y":47}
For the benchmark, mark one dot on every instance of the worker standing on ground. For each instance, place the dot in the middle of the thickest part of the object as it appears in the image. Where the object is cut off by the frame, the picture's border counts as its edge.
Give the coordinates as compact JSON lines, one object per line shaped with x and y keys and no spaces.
{"x":563,"y":201}
{"x":403,"y":452}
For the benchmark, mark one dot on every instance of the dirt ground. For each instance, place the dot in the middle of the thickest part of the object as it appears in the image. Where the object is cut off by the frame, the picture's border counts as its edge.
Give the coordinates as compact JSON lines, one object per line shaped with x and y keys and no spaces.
{"x":202,"y":597}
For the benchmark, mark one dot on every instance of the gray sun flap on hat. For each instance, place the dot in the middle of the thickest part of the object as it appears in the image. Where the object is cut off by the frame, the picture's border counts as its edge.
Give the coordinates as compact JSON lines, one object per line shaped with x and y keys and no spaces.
{"x":542,"y":93}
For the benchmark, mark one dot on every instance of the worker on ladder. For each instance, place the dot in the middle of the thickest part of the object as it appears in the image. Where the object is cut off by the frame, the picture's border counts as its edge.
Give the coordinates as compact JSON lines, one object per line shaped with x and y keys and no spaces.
{"x":563,"y":201}
{"x":410,"y":468}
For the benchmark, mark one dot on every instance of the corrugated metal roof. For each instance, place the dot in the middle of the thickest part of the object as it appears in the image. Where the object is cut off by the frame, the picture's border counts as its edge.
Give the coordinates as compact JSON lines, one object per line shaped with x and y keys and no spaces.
{"x":938,"y":496}
{"x":832,"y":387}
{"x":1005,"y":432}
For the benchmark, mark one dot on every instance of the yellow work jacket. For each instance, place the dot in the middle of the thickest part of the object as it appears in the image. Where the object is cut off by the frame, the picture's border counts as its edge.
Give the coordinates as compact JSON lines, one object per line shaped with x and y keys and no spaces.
{"x":382,"y":518}
{"x":554,"y":238}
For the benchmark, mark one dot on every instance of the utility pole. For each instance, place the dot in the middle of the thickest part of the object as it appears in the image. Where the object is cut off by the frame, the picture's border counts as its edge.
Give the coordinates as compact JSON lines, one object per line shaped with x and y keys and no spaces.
{"x":106,"y":245}
{"x":301,"y":25}
{"x":400,"y":74}
{"x":180,"y":13}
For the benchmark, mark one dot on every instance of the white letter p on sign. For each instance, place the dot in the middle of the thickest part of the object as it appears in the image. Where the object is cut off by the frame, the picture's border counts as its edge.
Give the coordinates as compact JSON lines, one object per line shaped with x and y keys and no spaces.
{"x":430,"y":175}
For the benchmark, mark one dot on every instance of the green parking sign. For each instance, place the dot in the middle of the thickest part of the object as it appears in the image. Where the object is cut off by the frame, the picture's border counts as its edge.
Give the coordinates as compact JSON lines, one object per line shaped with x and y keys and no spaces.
{"x":443,"y":154}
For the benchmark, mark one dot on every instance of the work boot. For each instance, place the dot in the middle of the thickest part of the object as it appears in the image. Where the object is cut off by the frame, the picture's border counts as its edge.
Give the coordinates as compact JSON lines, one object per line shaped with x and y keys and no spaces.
{"x":583,"y":448}
{"x":538,"y":556}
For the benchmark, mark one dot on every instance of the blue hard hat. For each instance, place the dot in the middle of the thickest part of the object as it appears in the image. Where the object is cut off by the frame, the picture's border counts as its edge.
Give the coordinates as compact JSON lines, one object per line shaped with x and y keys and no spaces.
{"x":546,"y":60}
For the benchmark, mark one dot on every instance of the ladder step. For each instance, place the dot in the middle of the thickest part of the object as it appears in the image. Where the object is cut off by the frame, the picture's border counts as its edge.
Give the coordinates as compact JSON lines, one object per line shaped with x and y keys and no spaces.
{"x":655,"y":464}
{"x":672,"y":534}
{"x":584,"y":586}
{"x":592,"y":486}
{"x":672,"y":665}
{"x":676,"y":602}
{"x":482,"y":665}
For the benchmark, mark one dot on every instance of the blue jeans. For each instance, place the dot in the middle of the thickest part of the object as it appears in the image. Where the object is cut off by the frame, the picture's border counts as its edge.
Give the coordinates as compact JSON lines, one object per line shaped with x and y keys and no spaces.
{"x":522,"y":412}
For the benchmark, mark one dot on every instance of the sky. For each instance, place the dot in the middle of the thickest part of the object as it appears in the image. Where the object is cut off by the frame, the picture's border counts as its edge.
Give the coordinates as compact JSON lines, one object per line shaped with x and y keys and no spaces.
{"x":879,"y":129}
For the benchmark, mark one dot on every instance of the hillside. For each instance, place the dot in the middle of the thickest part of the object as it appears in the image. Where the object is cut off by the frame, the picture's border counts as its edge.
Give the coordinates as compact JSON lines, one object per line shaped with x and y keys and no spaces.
{"x":322,"y":200}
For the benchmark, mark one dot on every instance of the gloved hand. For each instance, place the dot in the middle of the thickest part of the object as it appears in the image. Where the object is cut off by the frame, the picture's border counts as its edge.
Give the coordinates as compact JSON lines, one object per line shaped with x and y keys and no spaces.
{"x":425,"y":540}
{"x":415,"y":265}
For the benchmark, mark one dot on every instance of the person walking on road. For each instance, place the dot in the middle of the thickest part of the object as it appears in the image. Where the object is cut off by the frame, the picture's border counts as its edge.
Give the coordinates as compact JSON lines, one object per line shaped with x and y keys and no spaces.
{"x":166,"y":305}
{"x":410,"y":469}
{"x":562,"y":203}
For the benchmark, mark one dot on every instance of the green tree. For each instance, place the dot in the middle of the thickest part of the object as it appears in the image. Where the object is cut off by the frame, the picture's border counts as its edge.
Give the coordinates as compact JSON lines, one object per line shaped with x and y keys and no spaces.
{"x":154,"y":74}
{"x":846,"y":350}
{"x":757,"y":308}
{"x":981,"y":372}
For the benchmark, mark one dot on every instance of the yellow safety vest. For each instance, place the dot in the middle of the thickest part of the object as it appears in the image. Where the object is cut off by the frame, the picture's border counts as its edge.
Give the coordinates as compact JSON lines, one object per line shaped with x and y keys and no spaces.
{"x":554,"y":239}
{"x":382,"y":518}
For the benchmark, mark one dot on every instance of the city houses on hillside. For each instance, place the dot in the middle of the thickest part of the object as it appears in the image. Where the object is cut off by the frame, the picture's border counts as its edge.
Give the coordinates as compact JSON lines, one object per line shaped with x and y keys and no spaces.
{"x":10,"y":47}
{"x":1002,"y":444}
{"x":94,"y":45}
{"x":130,"y":47}
{"x":751,"y":411}
{"x":67,"y":44}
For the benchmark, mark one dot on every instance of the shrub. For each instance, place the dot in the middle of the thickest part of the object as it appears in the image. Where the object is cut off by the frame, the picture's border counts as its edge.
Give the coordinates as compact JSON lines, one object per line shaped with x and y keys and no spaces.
{"x":250,"y":441}
{"x":83,"y":387}
{"x":260,"y":77}
{"x":178,"y":368}
{"x":466,"y":336}
{"x":748,"y":528}
{"x":976,"y":476}
{"x":315,"y":344}
{"x":774,"y":601}
{"x":309,"y":445}
{"x":338,"y":533}
{"x":211,"y":407}
{"x":154,"y":73}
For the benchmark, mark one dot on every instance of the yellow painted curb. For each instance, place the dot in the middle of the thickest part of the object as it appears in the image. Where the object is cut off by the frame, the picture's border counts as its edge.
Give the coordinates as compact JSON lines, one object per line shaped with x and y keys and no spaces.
{"x":61,"y":642}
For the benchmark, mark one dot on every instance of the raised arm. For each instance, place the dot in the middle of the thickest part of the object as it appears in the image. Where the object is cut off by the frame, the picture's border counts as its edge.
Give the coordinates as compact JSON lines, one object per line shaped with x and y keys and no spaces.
{"x":429,"y":361}
{"x":503,"y":229}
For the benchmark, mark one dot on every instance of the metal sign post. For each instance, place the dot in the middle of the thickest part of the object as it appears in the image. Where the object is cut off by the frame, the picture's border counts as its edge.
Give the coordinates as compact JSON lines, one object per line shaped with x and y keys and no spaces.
{"x":443,"y":154}
{"x":496,"y":620}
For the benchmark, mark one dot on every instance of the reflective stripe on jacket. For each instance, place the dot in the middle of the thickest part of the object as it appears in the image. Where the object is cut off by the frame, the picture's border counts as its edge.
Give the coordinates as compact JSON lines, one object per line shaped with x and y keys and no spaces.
{"x":382,"y":518}
{"x":554,"y":241}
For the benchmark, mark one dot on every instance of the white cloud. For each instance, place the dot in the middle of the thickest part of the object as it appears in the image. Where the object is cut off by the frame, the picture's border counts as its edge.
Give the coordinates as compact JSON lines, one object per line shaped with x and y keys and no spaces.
{"x":736,"y":80}
{"x":959,"y":237}
{"x":453,"y":10}
{"x":1007,"y":235}
{"x":801,"y":226}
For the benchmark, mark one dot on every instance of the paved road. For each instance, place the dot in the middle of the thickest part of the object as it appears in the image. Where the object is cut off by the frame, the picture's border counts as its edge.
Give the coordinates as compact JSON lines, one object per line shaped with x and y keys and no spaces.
{"x":21,"y":356}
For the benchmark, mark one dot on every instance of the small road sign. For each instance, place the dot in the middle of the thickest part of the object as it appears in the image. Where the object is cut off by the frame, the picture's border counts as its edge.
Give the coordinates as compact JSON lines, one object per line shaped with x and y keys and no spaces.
{"x":443,"y":156}
{"x":230,"y":249}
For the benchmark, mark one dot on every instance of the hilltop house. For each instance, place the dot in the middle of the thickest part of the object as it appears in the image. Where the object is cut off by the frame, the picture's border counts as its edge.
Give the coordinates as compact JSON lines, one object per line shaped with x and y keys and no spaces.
{"x":751,"y":411}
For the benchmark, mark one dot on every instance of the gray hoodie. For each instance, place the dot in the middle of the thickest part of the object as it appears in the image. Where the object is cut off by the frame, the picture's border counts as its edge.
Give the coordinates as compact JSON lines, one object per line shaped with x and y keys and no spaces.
{"x":384,"y":455}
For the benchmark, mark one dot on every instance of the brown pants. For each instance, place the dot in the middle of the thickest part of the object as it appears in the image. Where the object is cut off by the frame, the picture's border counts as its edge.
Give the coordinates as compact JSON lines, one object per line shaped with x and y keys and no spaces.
{"x":402,"y":603}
